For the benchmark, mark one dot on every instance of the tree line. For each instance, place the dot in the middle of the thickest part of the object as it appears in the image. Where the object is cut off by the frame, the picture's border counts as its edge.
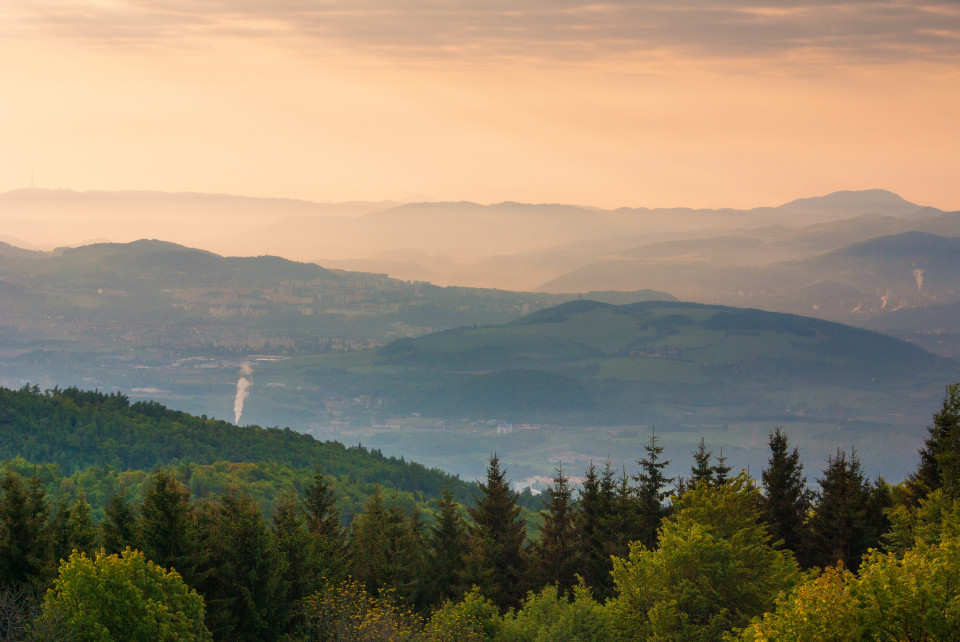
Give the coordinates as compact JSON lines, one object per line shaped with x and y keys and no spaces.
{"x":626,"y":556}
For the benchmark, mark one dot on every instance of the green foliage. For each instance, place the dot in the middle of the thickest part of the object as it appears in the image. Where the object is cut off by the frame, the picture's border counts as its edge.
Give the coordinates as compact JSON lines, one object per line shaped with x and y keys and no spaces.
{"x":446,"y":549}
{"x":714,"y":569}
{"x":347,"y":613}
{"x":913,"y":597}
{"x":940,"y":457}
{"x":821,"y":609}
{"x":77,"y":429}
{"x":386,"y":550}
{"x":498,"y":538}
{"x":168,"y":525}
{"x":548,"y":616}
{"x":23,"y":520}
{"x":240,"y":570}
{"x":472,"y":619}
{"x":786,"y":498}
{"x":553,"y":552}
{"x":651,"y":490}
{"x":934,"y":517}
{"x":840,"y":521}
{"x":123,"y":597}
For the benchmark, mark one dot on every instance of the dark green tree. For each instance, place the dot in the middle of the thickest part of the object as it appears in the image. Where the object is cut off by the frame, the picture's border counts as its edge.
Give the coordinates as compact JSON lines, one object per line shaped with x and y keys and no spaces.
{"x":786,"y":498}
{"x":386,"y":550}
{"x":652,"y":486}
{"x":702,"y":470}
{"x":301,"y":568}
{"x":839,"y":522}
{"x":71,"y":529}
{"x":241,"y":582}
{"x":499,"y":528}
{"x":554,"y":550}
{"x":23,"y":520}
{"x":721,"y":471}
{"x":589,"y":536}
{"x":323,"y":523}
{"x":446,"y":548}
{"x":940,"y":455}
{"x":118,"y":530}
{"x":167,"y":526}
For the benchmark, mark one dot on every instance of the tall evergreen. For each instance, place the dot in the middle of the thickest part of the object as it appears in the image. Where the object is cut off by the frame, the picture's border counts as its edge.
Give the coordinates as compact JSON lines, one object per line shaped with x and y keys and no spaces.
{"x":652,"y":486}
{"x":167,"y":525}
{"x":500,"y":531}
{"x":940,"y":455}
{"x":702,"y":470}
{"x":301,"y":571}
{"x":786,"y":498}
{"x":446,"y":549}
{"x":840,"y":519}
{"x":323,"y":523}
{"x":118,"y":530}
{"x":23,"y":520}
{"x":386,"y":549}
{"x":721,"y":471}
{"x":589,"y":534}
{"x":555,"y":559}
{"x":241,"y":582}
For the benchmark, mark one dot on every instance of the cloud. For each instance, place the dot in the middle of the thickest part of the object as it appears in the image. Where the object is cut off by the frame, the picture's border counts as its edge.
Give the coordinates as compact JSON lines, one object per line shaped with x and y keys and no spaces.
{"x":858,"y":30}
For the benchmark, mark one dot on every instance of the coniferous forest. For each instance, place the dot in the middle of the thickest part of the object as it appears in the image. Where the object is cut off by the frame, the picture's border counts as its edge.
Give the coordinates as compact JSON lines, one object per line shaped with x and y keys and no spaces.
{"x":124,"y":521}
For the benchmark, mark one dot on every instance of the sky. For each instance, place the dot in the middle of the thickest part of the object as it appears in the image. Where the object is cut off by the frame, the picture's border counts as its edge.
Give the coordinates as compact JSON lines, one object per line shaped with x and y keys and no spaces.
{"x":726,"y":103}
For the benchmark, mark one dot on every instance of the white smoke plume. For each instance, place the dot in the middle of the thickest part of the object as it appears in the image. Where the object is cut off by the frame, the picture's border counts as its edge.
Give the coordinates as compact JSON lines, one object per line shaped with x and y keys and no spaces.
{"x":918,"y":275}
{"x":243,"y":391}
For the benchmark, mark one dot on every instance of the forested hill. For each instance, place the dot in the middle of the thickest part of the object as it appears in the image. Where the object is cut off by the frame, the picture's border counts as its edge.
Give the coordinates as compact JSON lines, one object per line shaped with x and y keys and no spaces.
{"x":76,"y":429}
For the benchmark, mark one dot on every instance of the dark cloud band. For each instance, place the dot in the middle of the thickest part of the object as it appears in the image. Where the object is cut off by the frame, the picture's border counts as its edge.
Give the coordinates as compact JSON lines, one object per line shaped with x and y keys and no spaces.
{"x":880,"y":31}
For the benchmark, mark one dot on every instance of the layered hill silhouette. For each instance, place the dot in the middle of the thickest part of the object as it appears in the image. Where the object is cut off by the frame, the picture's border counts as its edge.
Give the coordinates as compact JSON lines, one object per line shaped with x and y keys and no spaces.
{"x":585,"y":360}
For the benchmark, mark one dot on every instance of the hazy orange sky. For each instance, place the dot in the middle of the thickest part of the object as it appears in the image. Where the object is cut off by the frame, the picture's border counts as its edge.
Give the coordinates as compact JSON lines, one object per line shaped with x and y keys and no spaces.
{"x":625,"y":103}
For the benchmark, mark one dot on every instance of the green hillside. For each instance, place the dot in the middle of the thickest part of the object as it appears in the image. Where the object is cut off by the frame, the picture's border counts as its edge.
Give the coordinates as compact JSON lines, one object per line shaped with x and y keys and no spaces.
{"x":609,"y":363}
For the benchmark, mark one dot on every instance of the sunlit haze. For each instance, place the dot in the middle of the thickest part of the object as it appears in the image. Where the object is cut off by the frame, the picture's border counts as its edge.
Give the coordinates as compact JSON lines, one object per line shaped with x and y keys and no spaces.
{"x":702,"y":104}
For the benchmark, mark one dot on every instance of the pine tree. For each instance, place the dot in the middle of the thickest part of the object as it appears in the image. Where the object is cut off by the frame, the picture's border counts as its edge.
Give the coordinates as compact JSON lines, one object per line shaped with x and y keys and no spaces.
{"x":23,"y":520}
{"x":839,"y":522}
{"x":323,"y":524}
{"x":386,"y":549}
{"x":555,"y":560}
{"x":167,"y":525}
{"x":499,"y":528}
{"x":446,"y":545}
{"x":589,"y":540}
{"x":721,"y":471}
{"x":701,"y":471}
{"x":301,"y":569}
{"x":118,"y":530}
{"x":651,"y":490}
{"x":84,"y":537}
{"x":241,"y":582}
{"x":786,"y":499}
{"x":940,"y":456}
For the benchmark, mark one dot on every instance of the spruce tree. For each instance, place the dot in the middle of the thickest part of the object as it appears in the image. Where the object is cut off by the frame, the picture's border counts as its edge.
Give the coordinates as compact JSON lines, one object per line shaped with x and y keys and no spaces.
{"x":651,"y":490}
{"x":167,"y":525}
{"x":118,"y":530}
{"x":446,"y":546}
{"x":839,"y":522}
{"x":242,"y":570}
{"x":589,"y":540}
{"x":301,"y":569}
{"x":555,"y":559}
{"x":786,"y":499}
{"x":23,"y":520}
{"x":701,"y":471}
{"x":500,"y":530}
{"x":940,"y":455}
{"x":721,"y":471}
{"x":323,"y":524}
